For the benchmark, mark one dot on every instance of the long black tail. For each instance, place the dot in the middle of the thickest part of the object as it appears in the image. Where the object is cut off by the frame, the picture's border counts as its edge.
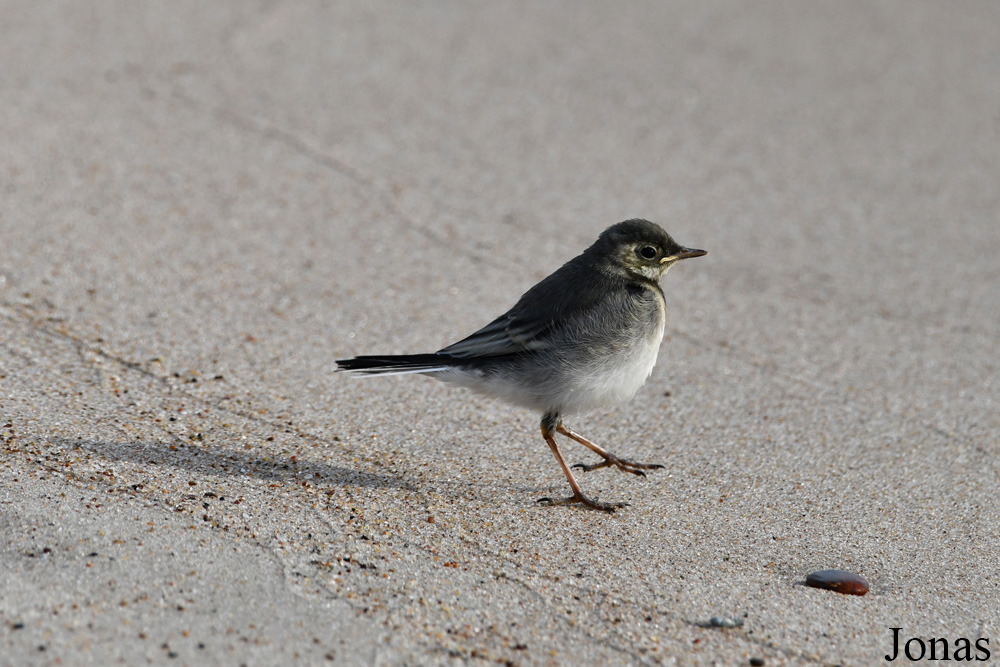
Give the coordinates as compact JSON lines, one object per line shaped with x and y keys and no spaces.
{"x":395,"y":364}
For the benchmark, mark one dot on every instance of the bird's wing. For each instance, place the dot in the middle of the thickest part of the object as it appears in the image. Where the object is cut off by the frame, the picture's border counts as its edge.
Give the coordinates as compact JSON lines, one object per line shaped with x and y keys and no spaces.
{"x":490,"y":341}
{"x":556,"y":302}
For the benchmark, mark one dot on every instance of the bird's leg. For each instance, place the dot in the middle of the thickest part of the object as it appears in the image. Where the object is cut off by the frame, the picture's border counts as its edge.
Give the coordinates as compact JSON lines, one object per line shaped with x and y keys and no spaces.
{"x":577,"y":497}
{"x":609,"y":458}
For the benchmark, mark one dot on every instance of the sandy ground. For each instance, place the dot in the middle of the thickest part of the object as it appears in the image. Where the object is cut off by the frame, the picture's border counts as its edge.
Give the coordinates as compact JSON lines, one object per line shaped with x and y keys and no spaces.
{"x":206,"y":204}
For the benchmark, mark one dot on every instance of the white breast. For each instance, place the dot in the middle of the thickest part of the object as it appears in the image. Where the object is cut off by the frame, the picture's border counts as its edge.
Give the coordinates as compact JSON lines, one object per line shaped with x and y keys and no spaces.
{"x":615,"y":379}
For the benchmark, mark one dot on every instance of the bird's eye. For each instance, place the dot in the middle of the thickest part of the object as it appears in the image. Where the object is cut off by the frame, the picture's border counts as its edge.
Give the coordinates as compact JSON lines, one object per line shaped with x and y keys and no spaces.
{"x":647,"y":252}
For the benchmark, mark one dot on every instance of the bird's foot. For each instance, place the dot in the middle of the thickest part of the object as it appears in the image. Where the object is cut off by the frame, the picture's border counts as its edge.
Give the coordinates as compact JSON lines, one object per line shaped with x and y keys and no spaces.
{"x":579,"y":498}
{"x":622,"y":464}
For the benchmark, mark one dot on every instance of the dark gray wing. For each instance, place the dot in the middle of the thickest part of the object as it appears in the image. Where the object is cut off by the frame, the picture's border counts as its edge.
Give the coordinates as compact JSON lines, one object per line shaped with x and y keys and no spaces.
{"x":559,"y":301}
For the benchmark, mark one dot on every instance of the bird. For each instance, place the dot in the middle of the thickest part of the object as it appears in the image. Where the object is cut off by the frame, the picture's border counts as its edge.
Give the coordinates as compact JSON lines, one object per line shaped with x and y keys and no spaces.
{"x":584,"y":338}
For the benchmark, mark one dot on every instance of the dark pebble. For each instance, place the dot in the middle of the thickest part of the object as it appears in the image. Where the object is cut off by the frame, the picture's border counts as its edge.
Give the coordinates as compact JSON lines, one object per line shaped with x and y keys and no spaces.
{"x":840,"y":581}
{"x":757,"y":662}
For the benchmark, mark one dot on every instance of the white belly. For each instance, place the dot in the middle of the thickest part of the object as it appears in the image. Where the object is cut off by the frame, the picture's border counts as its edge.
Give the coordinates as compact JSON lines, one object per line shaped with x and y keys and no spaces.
{"x":614,"y":380}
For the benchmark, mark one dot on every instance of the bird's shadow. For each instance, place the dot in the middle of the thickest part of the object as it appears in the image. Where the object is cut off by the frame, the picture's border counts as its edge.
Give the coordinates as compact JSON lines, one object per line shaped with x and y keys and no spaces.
{"x":233,"y":463}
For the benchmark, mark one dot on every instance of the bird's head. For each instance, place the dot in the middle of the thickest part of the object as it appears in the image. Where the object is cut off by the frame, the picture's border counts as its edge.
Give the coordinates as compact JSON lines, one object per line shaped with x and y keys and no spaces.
{"x":639,"y":248}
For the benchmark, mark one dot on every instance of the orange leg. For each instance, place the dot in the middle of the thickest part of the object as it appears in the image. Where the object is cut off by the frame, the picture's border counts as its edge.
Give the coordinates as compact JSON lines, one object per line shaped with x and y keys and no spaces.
{"x":577,"y":496}
{"x":609,"y":458}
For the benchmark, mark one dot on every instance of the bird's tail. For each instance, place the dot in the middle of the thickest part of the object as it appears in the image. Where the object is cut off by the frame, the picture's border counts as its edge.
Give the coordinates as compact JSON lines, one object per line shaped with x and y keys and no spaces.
{"x":395,"y":364}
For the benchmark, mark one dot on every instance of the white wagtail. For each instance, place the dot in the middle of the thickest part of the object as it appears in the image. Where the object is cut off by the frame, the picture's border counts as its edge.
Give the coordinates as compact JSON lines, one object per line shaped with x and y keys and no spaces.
{"x":584,"y":338}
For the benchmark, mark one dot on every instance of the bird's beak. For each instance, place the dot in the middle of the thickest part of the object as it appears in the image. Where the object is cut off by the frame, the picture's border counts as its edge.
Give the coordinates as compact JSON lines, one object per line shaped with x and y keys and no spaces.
{"x":686,"y":253}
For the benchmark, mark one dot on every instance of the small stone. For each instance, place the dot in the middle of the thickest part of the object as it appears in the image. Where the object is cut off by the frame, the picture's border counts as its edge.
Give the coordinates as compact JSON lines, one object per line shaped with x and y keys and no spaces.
{"x":757,"y":662}
{"x":722,"y":622}
{"x":840,"y":581}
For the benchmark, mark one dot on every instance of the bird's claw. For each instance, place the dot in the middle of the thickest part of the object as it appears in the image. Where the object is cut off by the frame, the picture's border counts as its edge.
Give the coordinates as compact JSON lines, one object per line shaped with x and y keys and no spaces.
{"x":621,"y":464}
{"x":597,"y":466}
